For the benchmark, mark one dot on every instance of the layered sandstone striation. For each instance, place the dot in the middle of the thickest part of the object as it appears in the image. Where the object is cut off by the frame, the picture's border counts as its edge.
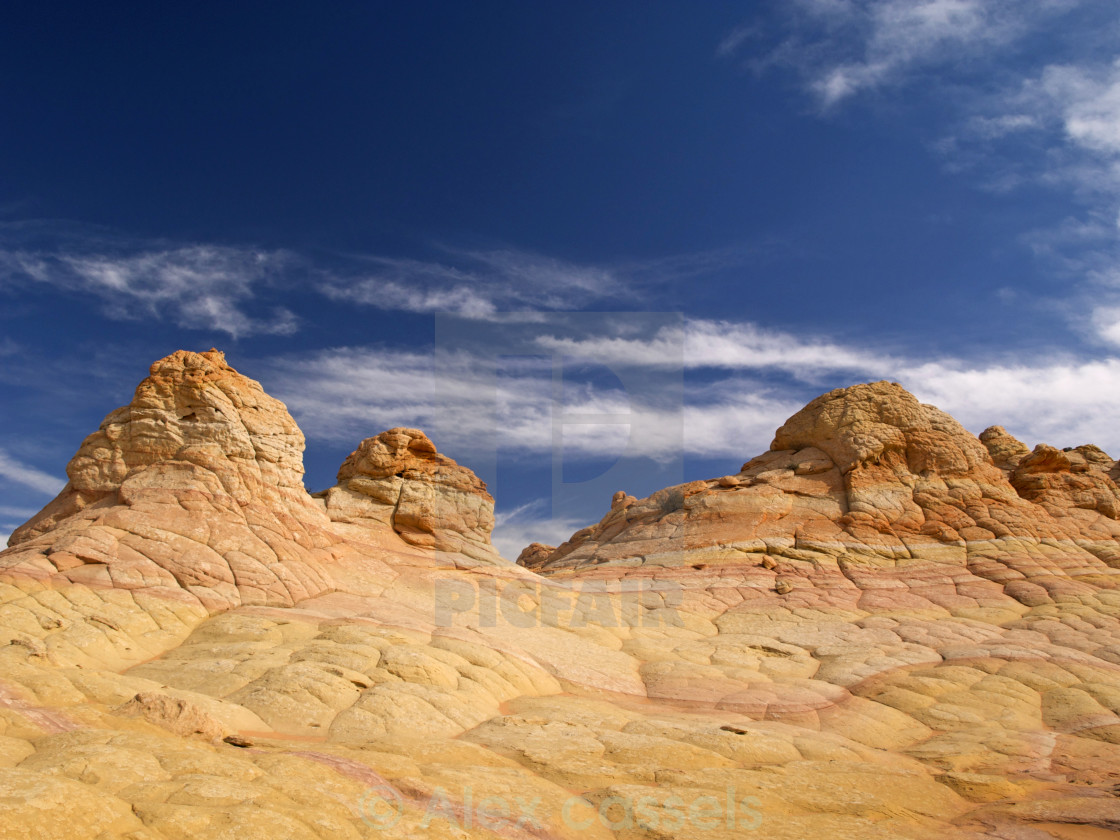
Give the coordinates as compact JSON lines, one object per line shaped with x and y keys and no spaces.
{"x":195,"y":487}
{"x":867,"y":469}
{"x":398,"y":480}
{"x":884,"y":627}
{"x":190,"y":500}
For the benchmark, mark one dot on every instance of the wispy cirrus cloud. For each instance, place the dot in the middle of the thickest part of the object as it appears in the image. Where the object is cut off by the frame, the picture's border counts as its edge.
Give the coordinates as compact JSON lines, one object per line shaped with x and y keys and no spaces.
{"x":748,"y":380}
{"x":1087,"y":100}
{"x":346,"y":394}
{"x":738,"y":390}
{"x":1028,"y":95}
{"x":1061,"y":128}
{"x":474,"y":284}
{"x":729,"y":345}
{"x":842,"y":48}
{"x":1056,"y":124}
{"x":208,"y":287}
{"x":17,"y":472}
{"x":488,"y":284}
{"x":236,"y":289}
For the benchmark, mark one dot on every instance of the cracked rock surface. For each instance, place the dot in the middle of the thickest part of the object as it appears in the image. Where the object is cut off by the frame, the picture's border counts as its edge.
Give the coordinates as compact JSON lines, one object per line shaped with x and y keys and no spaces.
{"x":884,"y":627}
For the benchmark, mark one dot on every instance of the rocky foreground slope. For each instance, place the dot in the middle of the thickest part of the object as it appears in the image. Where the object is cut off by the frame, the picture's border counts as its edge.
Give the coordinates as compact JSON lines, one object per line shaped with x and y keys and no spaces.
{"x":883,"y":627}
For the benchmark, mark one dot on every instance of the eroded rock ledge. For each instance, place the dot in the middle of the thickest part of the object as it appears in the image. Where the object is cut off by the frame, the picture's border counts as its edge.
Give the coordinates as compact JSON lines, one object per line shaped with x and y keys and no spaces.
{"x":865,"y":469}
{"x":881,"y":628}
{"x":398,"y":480}
{"x":195,"y":489}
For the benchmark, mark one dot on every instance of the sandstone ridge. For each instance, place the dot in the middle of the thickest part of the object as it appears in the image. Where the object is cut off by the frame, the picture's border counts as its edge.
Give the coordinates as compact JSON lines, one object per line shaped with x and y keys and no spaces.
{"x":882,"y":628}
{"x":194,"y":490}
{"x":866,"y":468}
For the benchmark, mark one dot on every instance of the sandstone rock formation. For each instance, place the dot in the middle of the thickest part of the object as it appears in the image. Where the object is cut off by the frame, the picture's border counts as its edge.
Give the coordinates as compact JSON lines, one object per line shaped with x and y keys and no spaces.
{"x":1005,"y":449}
{"x":194,"y":488}
{"x":866,"y":469}
{"x":534,"y":554}
{"x":884,"y":627}
{"x":399,"y":480}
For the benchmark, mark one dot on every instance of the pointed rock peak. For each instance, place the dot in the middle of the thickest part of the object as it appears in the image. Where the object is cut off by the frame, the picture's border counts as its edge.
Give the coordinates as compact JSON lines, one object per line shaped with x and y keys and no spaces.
{"x":1006,"y":450}
{"x":877,"y":421}
{"x":190,"y":401}
{"x":409,"y":454}
{"x":192,"y":407}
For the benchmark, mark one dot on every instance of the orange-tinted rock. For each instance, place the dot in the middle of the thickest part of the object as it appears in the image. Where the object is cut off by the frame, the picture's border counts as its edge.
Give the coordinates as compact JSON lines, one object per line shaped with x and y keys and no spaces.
{"x":882,"y":424}
{"x":867,"y":469}
{"x":1057,"y":479}
{"x":194,"y":409}
{"x":534,"y":554}
{"x":398,"y":479}
{"x":195,"y":487}
{"x":869,"y":631}
{"x":1006,"y":450}
{"x":173,"y":714}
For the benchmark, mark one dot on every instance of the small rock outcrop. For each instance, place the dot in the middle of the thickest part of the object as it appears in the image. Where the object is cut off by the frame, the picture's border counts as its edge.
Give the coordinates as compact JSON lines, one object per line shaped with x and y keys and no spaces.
{"x":882,"y":424}
{"x":398,"y":480}
{"x":534,"y":555}
{"x":1006,"y":450}
{"x":1058,"y":479}
{"x":174,"y":714}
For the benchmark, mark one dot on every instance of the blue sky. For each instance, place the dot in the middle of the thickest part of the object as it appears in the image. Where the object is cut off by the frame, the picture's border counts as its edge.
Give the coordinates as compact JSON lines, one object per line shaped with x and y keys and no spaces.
{"x":409,"y":214}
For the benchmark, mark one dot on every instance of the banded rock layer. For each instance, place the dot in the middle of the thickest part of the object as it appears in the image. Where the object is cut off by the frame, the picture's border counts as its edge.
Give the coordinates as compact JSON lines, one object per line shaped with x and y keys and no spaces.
{"x":868,"y":470}
{"x":884,"y":627}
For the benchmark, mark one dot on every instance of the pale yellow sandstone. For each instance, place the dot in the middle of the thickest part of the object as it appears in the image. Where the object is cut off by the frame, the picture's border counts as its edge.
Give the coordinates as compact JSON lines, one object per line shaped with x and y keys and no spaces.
{"x":884,"y":627}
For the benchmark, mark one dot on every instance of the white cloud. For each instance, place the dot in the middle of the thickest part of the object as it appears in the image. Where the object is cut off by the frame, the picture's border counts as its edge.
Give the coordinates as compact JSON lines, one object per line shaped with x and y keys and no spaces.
{"x":1063,"y":403}
{"x":462,"y":300}
{"x":20,"y":513}
{"x":738,"y":424}
{"x":4,"y":537}
{"x":475,"y":284}
{"x":703,"y":343}
{"x":227,"y":288}
{"x":1031,"y":94}
{"x":529,"y":523}
{"x":1072,"y":115}
{"x":1088,"y":102}
{"x":735,"y":39}
{"x":846,"y":47}
{"x":196,"y":286}
{"x":28,"y":476}
{"x":347,"y":394}
{"x":1106,"y":323}
{"x":1002,"y":125}
{"x":497,"y":284}
{"x":737,"y":395}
